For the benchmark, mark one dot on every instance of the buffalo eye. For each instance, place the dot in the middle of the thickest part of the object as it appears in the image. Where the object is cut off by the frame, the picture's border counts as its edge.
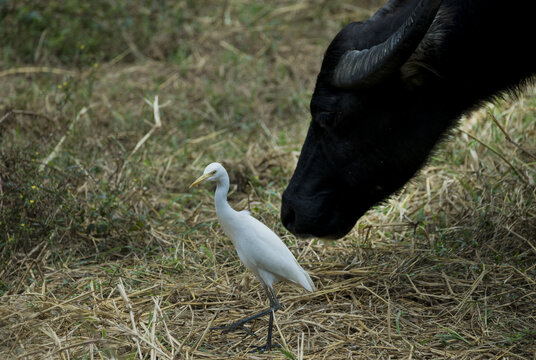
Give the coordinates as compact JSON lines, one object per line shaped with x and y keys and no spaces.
{"x":328,"y":119}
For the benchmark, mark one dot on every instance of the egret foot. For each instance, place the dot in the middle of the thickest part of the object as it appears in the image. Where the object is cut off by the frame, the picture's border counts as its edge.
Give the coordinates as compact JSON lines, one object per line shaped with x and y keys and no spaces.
{"x":233,"y":327}
{"x":275,"y":305}
{"x":240,"y":323}
{"x":265,"y":347}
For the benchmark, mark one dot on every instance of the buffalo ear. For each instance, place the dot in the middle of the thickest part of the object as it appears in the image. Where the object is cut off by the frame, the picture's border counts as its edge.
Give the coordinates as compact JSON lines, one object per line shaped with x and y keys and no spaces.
{"x":367,"y":67}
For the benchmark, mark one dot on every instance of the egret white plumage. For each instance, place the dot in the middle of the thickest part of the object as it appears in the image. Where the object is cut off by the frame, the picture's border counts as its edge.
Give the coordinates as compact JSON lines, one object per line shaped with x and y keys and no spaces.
{"x":259,"y":248}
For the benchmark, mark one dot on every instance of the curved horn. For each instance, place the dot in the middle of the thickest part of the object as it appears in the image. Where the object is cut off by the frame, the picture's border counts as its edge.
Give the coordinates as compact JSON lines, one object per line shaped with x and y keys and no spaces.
{"x":362,"y":68}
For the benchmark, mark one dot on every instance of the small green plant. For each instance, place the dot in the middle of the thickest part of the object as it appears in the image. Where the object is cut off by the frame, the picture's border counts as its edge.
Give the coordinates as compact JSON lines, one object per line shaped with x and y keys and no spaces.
{"x":287,"y":354}
{"x":451,"y":335}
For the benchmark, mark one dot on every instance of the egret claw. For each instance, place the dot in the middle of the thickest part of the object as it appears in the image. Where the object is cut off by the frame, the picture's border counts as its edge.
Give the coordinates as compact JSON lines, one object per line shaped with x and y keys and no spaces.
{"x":265,"y":347}
{"x":232,"y":327}
{"x":248,"y":331}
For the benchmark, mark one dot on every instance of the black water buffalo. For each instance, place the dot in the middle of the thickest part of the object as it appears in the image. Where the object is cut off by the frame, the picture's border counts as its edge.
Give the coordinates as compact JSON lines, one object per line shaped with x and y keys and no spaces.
{"x":389,"y":89}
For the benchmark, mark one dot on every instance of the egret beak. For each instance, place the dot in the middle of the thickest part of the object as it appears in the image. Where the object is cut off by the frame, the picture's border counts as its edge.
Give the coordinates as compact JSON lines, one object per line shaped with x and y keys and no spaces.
{"x":201,"y":179}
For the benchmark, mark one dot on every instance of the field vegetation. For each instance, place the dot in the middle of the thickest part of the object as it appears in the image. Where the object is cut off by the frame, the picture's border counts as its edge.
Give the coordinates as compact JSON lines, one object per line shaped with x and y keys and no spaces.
{"x":110,"y":109}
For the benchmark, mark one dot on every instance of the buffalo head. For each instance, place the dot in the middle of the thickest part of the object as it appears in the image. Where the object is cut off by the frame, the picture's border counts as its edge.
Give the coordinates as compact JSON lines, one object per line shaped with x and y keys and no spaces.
{"x":369,"y":133}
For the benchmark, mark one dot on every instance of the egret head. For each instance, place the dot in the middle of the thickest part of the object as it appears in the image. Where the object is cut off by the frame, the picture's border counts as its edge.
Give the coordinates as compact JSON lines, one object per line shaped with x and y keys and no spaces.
{"x":213,"y":172}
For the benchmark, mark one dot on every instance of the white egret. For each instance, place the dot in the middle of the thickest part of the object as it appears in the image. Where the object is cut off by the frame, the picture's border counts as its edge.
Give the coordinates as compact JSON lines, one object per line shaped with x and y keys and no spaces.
{"x":259,"y":248}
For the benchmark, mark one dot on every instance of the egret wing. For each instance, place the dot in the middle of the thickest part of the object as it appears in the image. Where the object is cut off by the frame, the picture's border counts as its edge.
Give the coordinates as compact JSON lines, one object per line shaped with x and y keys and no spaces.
{"x":263,"y":250}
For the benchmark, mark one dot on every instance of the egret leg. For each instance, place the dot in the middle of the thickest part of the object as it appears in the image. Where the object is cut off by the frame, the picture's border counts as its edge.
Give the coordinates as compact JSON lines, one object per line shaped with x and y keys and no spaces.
{"x":274,"y":306}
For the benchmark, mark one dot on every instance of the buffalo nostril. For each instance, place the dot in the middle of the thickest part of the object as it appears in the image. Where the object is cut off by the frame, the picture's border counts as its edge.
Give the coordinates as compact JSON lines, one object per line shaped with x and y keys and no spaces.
{"x":288,"y":217}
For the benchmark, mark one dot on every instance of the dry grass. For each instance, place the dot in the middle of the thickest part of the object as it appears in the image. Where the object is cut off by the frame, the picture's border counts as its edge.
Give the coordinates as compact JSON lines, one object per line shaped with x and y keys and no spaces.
{"x":117,"y":259}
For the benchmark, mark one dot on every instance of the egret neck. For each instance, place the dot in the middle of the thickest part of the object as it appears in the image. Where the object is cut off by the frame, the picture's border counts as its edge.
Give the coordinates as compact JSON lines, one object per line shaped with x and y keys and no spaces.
{"x":223,"y":209}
